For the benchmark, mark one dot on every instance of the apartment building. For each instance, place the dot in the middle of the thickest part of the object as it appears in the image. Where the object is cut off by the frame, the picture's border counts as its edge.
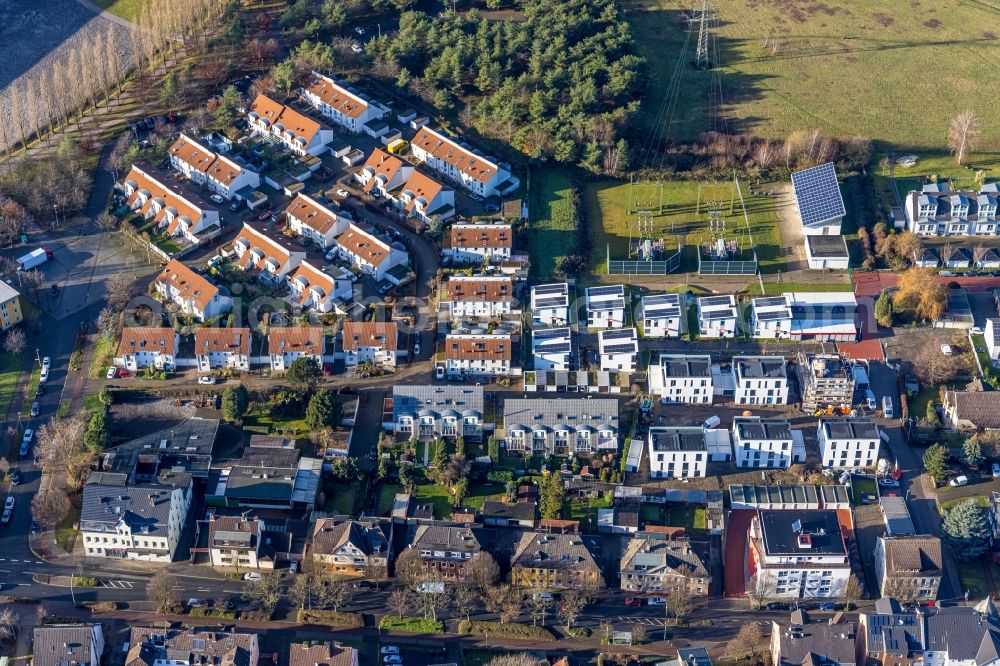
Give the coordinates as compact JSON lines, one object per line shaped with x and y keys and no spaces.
{"x":216,"y":348}
{"x":846,"y":442}
{"x":143,"y":347}
{"x":10,"y":306}
{"x":201,"y":165}
{"x":480,"y":297}
{"x":272,"y":260}
{"x":177,"y":214}
{"x":938,"y":211}
{"x":67,"y":645}
{"x":677,"y":452}
{"x":760,"y":380}
{"x":194,"y":294}
{"x":618,"y":349}
{"x":477,"y":174}
{"x":825,"y":380}
{"x":370,"y":342}
{"x":428,"y":411}
{"x":550,"y":304}
{"x":238,"y":542}
{"x":605,"y":306}
{"x":476,"y":354}
{"x":477,"y":243}
{"x":319,"y":222}
{"x":662,"y":316}
{"x":311,"y":288}
{"x":765,"y":443}
{"x":383,"y":173}
{"x":800,"y":639}
{"x":159,"y":646}
{"x":373,"y":255}
{"x":444,"y":552}
{"x":566,"y":426}
{"x":682,"y":378}
{"x":800,"y":554}
{"x":298,"y":133}
{"x":340,"y":104}
{"x":909,"y":567}
{"x":826,"y":317}
{"x":321,"y":654}
{"x":658,"y":565}
{"x":425,"y":198}
{"x":285,"y":344}
{"x":556,"y":562}
{"x":350,"y":547}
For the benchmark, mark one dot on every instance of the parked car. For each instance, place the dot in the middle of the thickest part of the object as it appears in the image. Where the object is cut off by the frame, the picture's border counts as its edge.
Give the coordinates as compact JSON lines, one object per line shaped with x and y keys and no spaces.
{"x":633,"y":601}
{"x":253,"y":575}
{"x":657,"y":601}
{"x":357,"y":48}
{"x":543,"y":596}
{"x":359,"y":30}
{"x":44,"y":375}
{"x":216,"y":198}
{"x":35,"y":408}
{"x":389,"y":649}
{"x":112,"y":372}
{"x":263,"y":216}
{"x":29,"y":435}
{"x":392,"y":659}
{"x":947,"y":350}
{"x":206,"y":380}
{"x":491,"y":207}
{"x":343,"y":193}
{"x":15,"y":477}
{"x":416,"y":349}
{"x":46,"y":362}
{"x":996,"y":470}
{"x":364,"y":585}
{"x":196,"y":603}
{"x":960,"y":480}
{"x":828,"y":606}
{"x":889,"y":483}
{"x":236,"y":205}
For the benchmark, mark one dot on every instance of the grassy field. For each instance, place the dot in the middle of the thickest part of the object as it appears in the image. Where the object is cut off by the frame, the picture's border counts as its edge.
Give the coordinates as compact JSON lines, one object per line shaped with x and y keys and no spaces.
{"x":682,"y":217}
{"x":127,"y":9}
{"x":848,"y":67}
{"x":550,"y":234}
{"x":10,"y":369}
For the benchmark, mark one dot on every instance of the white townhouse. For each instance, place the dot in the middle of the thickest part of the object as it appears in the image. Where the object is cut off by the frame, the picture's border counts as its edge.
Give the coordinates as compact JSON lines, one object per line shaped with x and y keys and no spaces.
{"x":222,"y":348}
{"x":479,"y":242}
{"x":475,"y":354}
{"x":285,"y":344}
{"x":341,"y":105}
{"x":383,"y":173}
{"x":477,"y":174}
{"x":823,"y":316}
{"x":937,"y":211}
{"x":318,"y":222}
{"x":177,"y":214}
{"x":681,"y":378}
{"x":298,"y":133}
{"x":550,"y":304}
{"x":193,"y":293}
{"x":480,"y":297}
{"x":143,"y":521}
{"x":374,"y":341}
{"x":311,"y":289}
{"x":618,"y":349}
{"x":818,"y":201}
{"x":551,"y":348}
{"x":717,"y":316}
{"x":203,"y":166}
{"x":143,"y":347}
{"x":67,"y":645}
{"x":606,"y":306}
{"x":370,"y":253}
{"x":427,"y":411}
{"x":565,"y":426}
{"x":765,"y":443}
{"x":800,"y":554}
{"x":424,"y":198}
{"x":992,"y":334}
{"x":846,"y":442}
{"x":677,"y":452}
{"x":760,"y":380}
{"x":270,"y":259}
{"x":662,"y":316}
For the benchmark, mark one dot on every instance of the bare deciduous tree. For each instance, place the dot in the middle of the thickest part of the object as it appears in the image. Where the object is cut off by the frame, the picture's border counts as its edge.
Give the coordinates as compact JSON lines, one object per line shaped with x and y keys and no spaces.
{"x":50,"y":507}
{"x":118,"y":291}
{"x":570,"y":607}
{"x":265,"y":592}
{"x":964,"y":134}
{"x":9,"y":622}
{"x":14,"y":342}
{"x":399,"y":601}
{"x":482,"y":570}
{"x":760,"y":589}
{"x":744,"y":643}
{"x":162,"y":591}
{"x":106,"y":222}
{"x":59,"y":441}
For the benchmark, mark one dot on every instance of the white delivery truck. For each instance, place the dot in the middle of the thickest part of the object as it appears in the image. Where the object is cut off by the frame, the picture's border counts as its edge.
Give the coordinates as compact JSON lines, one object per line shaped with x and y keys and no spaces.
{"x":34,"y":258}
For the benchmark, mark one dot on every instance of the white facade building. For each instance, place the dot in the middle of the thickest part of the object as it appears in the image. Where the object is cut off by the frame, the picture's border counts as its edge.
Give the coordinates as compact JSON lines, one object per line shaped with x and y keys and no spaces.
{"x":680,"y":378}
{"x":800,"y":554}
{"x":310,"y":288}
{"x":818,"y":200}
{"x":176,"y":213}
{"x":374,"y":341}
{"x":618,"y":349}
{"x":760,"y":380}
{"x":147,"y":347}
{"x":371,"y":254}
{"x":606,"y":306}
{"x":205,"y":167}
{"x":191,"y":292}
{"x":550,"y":304}
{"x":662,"y":316}
{"x":551,"y":348}
{"x":717,"y":316}
{"x":677,"y":453}
{"x":473,"y":354}
{"x":300,"y":134}
{"x":480,"y":296}
{"x":937,"y":211}
{"x":479,"y":175}
{"x":479,"y":242}
{"x":845,"y":442}
{"x":824,"y":316}
{"x":765,"y":443}
{"x":222,"y":348}
{"x":270,"y":259}
{"x":341,"y":105}
{"x":992,"y":334}
{"x":287,"y":343}
{"x":317,"y":222}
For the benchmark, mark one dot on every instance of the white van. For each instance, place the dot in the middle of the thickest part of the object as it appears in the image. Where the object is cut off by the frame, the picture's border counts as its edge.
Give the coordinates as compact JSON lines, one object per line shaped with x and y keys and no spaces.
{"x":887,"y":407}
{"x":960,"y":480}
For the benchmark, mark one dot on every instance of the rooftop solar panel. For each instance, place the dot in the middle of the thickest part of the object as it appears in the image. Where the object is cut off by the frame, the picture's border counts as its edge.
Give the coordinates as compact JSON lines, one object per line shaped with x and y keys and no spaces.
{"x":714,"y":300}
{"x":817,"y":194}
{"x":549,"y":302}
{"x":770,"y":316}
{"x":663,"y":311}
{"x":719,"y":314}
{"x":548,"y":333}
{"x":606,"y":291}
{"x":550,"y":289}
{"x":769,"y":301}
{"x":619,"y":349}
{"x":563,"y":348}
{"x":616,"y":334}
{"x":657,"y":299}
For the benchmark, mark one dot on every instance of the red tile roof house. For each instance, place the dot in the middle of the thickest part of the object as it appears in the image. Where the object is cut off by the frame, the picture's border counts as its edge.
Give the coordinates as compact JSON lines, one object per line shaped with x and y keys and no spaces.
{"x":424,"y":198}
{"x":477,"y":355}
{"x":311,"y":219}
{"x":479,"y":242}
{"x":193,"y":293}
{"x":480,"y":175}
{"x":179,"y":214}
{"x":299,"y":133}
{"x":480,"y":296}
{"x":142,"y":347}
{"x":370,"y":341}
{"x":312,"y":289}
{"x":371,"y":254}
{"x":222,"y":348}
{"x":273,"y":260}
{"x":222,"y":175}
{"x":382,"y":173}
{"x":285,"y":344}
{"x":342,"y":106}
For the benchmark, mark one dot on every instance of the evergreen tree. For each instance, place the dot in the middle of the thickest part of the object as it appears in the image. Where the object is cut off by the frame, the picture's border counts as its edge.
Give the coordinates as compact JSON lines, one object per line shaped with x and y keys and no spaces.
{"x":228,"y":111}
{"x":98,"y":436}
{"x":324,"y":410}
{"x":883,"y":310}
{"x":304,"y":371}
{"x":934,"y":462}
{"x":552,"y":496}
{"x":966,"y":530}
{"x":933,"y":419}
{"x":493,"y":449}
{"x":460,"y":447}
{"x":972,"y":452}
{"x":235,"y":400}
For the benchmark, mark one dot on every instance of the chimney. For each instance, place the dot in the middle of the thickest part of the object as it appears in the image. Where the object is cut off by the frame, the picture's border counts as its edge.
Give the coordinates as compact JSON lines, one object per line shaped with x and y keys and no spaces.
{"x":152,"y":500}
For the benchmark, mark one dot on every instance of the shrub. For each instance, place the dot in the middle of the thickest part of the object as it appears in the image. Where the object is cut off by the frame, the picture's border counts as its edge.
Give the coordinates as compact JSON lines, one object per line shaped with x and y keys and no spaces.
{"x":213,"y":612}
{"x":415,"y":624}
{"x":578,"y":632}
{"x":330,"y":618}
{"x":500,"y":476}
{"x":502,"y":630}
{"x":102,"y":606}
{"x":84,"y":581}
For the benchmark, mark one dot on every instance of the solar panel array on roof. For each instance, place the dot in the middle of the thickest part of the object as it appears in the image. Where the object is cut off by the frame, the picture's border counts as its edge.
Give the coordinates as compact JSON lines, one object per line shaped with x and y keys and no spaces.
{"x":818,"y":194}
{"x":617,"y":333}
{"x":768,"y":316}
{"x":656,"y":299}
{"x":549,"y":302}
{"x":546,"y":333}
{"x":560,"y":288}
{"x":614,"y":290}
{"x":562,"y":348}
{"x":768,"y":301}
{"x":619,"y":349}
{"x":711,"y":301}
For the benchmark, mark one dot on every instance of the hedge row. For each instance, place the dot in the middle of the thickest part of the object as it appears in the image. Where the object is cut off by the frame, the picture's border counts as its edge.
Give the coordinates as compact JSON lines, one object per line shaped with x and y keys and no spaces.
{"x":330,"y":618}
{"x":502,"y":630}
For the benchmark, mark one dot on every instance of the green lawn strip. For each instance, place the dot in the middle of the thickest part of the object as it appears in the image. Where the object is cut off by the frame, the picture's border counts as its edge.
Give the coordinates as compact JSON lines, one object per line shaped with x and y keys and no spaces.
{"x":126,"y":9}
{"x":413,"y":624}
{"x":104,"y":351}
{"x":10,"y":370}
{"x":386,"y":495}
{"x":480,"y":492}
{"x":551,"y":233}
{"x":586,"y":511}
{"x":945,"y":504}
{"x":776,"y":288}
{"x":343,"y":498}
{"x":436,"y":495}
{"x":973,"y":576}
{"x":29,"y":391}
{"x":92,"y":402}
{"x":861,"y":486}
{"x":66,"y":529}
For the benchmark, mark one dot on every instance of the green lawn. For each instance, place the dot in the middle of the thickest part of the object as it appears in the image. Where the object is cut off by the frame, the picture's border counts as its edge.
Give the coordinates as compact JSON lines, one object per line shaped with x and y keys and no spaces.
{"x":860,"y":486}
{"x":841,"y":67}
{"x":433,"y":493}
{"x":66,"y":530}
{"x":551,"y":232}
{"x":10,"y":370}
{"x":680,"y":215}
{"x":480,"y":492}
{"x":277,"y":424}
{"x":343,"y":498}
{"x":693,"y":519}
{"x":92,"y":402}
{"x":29,"y":391}
{"x":941,"y":166}
{"x":104,"y":351}
{"x":386,"y":494}
{"x":586,"y":511}
{"x":126,"y":9}
{"x":973,"y":576}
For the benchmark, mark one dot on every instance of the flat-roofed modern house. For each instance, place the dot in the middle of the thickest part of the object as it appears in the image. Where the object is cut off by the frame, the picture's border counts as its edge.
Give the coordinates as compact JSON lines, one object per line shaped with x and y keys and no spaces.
{"x":682,"y":378}
{"x":618,"y":349}
{"x":551,"y":348}
{"x":992,"y":335}
{"x":298,"y":133}
{"x":825,"y":380}
{"x":765,"y":443}
{"x":827,"y":252}
{"x":662,"y":316}
{"x":429,"y":411}
{"x":550,"y":304}
{"x":606,"y":306}
{"x":268,"y":477}
{"x":717,"y":316}
{"x":581,"y":426}
{"x":800,"y":554}
{"x":677,"y":452}
{"x":938,"y":211}
{"x":340,"y":104}
{"x":818,"y":201}
{"x":479,"y":242}
{"x":846,"y":442}
{"x":760,"y":380}
{"x":476,"y":173}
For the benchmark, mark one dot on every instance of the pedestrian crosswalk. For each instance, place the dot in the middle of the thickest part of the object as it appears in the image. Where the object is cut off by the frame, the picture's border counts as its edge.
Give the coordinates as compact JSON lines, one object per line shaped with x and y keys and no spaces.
{"x":648,"y":621}
{"x":117,"y":584}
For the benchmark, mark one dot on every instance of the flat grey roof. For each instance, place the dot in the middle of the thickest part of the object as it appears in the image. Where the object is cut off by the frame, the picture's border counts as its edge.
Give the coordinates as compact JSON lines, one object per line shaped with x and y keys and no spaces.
{"x":827,"y":247}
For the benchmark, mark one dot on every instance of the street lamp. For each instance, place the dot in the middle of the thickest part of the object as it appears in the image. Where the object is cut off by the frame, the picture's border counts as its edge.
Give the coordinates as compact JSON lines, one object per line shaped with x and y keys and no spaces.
{"x":38,"y":357}
{"x":55,"y":208}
